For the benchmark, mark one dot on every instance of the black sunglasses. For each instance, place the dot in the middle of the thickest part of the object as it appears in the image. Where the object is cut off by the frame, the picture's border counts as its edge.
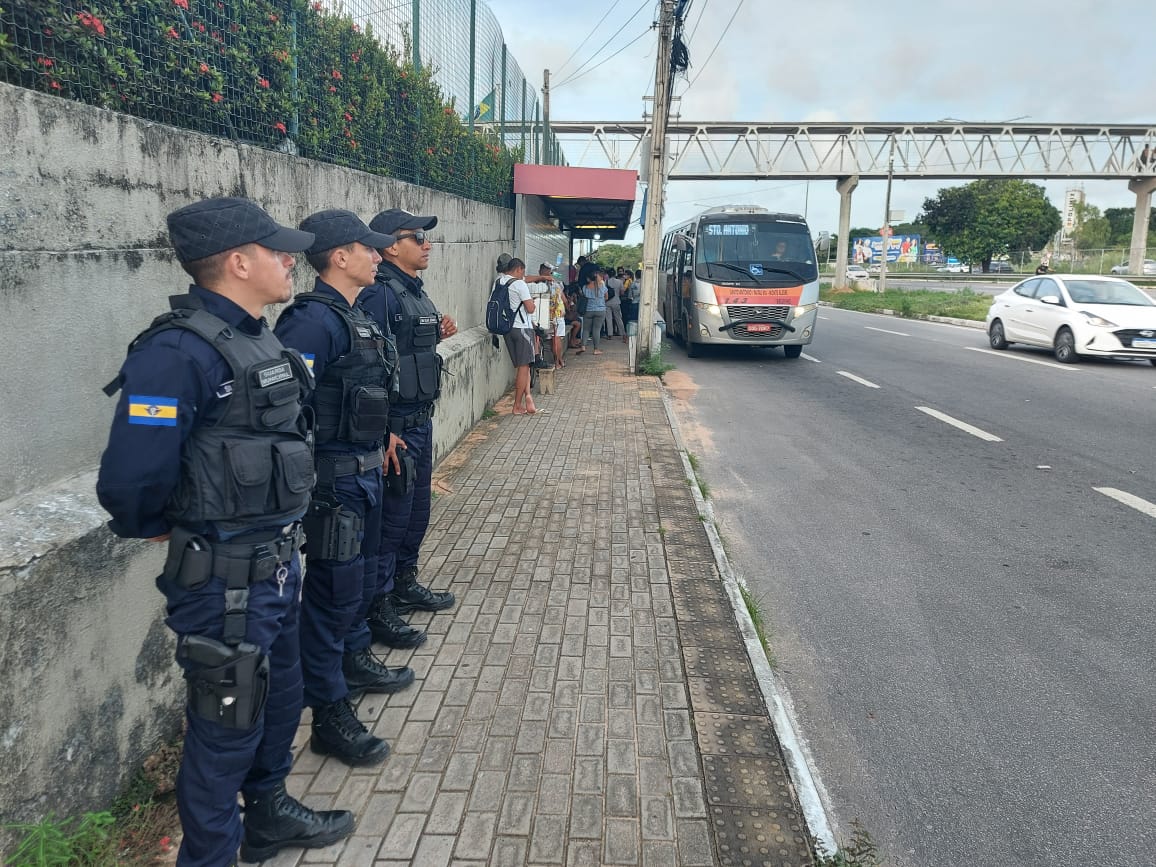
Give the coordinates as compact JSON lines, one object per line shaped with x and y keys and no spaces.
{"x":419,"y":237}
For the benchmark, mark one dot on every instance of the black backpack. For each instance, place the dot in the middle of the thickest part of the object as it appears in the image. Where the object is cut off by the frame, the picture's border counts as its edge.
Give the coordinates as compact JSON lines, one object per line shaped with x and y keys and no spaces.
{"x":499,"y":315}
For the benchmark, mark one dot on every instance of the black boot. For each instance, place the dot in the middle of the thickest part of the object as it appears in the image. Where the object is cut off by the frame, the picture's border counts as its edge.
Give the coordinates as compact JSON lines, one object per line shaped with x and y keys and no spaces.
{"x":364,"y":672}
{"x":277,"y":820}
{"x":409,"y":596}
{"x":338,"y":732}
{"x":389,"y":629}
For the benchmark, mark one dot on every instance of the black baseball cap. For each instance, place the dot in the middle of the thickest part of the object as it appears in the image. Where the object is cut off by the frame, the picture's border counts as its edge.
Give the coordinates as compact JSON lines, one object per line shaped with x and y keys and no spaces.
{"x":337,"y":227}
{"x":395,"y":220}
{"x":212,"y":226}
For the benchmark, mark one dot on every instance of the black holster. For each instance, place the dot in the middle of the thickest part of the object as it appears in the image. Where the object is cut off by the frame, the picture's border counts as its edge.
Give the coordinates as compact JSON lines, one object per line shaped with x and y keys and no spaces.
{"x":332,"y":532}
{"x":400,"y":484}
{"x":226,"y":685}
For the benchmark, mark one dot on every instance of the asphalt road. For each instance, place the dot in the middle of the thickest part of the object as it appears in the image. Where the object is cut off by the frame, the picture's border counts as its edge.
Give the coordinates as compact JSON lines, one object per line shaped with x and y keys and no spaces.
{"x":965,"y":625}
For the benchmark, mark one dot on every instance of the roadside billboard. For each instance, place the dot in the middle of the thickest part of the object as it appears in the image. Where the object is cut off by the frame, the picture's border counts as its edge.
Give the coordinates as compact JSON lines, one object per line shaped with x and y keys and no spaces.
{"x":903,"y":248}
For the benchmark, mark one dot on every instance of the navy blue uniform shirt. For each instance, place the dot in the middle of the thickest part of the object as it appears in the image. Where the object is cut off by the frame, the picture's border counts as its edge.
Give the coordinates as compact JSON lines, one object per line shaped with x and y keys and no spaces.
{"x":380,"y":303}
{"x":170,"y":384}
{"x":321,"y":336}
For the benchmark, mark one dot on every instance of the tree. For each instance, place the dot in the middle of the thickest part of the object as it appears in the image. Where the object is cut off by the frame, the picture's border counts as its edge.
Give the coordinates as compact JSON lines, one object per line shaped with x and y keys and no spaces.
{"x":1092,"y":230}
{"x":1120,"y":219}
{"x":615,"y":255}
{"x":989,"y":217}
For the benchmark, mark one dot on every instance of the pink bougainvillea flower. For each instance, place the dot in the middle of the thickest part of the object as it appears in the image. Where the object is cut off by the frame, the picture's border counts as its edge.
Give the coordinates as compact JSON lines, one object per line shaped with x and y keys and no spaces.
{"x":336,"y":74}
{"x":204,"y":67}
{"x":184,"y":4}
{"x":348,"y":116}
{"x":55,"y":85}
{"x":217,"y":97}
{"x":280,"y":127}
{"x":46,"y":62}
{"x":264,"y":82}
{"x":171,"y":33}
{"x":316,"y":5}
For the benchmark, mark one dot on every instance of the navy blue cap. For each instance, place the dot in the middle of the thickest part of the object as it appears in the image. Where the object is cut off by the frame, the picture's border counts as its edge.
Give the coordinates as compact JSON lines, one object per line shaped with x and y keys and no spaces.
{"x":337,"y":227}
{"x":395,"y":220}
{"x":212,"y":226}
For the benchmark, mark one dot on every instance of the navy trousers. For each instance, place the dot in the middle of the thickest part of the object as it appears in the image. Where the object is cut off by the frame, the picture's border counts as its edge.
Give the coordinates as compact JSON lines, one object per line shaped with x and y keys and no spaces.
{"x":219,"y":762}
{"x":338,"y":595}
{"x":404,"y":520}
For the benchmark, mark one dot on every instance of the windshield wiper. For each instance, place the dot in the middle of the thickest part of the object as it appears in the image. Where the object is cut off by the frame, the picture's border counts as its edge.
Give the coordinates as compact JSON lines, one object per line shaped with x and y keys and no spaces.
{"x":754,"y":277}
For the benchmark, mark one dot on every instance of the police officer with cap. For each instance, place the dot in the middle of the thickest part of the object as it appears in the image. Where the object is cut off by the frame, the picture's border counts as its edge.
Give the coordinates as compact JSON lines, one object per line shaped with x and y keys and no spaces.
{"x":209,"y":451}
{"x":398,"y":301}
{"x":353,"y":365}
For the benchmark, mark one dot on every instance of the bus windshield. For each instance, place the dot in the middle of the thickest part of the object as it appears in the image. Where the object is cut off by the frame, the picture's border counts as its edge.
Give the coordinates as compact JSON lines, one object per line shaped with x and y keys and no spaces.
{"x":754,"y":251}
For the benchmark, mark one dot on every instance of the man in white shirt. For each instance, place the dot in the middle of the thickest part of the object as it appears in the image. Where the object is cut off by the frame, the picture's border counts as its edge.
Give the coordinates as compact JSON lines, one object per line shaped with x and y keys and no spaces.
{"x":520,"y":340}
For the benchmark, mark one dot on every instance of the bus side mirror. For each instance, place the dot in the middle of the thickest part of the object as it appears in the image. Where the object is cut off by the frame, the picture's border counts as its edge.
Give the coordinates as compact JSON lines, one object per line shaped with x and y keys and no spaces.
{"x":823,"y":245}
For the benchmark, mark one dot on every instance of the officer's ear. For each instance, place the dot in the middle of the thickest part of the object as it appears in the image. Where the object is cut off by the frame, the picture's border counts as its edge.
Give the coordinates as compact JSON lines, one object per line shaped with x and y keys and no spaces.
{"x":238,"y":263}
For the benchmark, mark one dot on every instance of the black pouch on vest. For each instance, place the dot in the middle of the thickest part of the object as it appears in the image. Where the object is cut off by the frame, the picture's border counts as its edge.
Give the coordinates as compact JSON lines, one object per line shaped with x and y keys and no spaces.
{"x":399,"y":484}
{"x":189,"y":564}
{"x":368,"y":413}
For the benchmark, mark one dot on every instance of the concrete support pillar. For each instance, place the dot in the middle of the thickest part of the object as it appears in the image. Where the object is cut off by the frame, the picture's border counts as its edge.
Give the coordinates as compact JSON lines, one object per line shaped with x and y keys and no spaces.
{"x":845,"y":187}
{"x":1143,"y":188}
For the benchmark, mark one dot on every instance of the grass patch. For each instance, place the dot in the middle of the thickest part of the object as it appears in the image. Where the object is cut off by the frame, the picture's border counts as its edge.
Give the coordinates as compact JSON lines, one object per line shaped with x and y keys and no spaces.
{"x":860,"y":852}
{"x":755,"y":611}
{"x":964,"y":304}
{"x":693,"y":461}
{"x":653,"y":365}
{"x":489,"y":412}
{"x":136,"y":829}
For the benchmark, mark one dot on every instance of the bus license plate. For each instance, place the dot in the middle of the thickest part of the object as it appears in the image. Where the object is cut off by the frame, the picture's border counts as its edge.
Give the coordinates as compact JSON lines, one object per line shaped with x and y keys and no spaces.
{"x":759,"y":326}
{"x":1141,"y":343}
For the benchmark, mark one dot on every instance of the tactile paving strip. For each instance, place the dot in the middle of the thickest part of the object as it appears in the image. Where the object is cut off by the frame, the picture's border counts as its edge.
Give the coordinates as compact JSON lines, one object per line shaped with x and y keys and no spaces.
{"x":726,"y":693}
{"x":760,"y":837}
{"x":715,"y":661}
{"x":735,"y":735}
{"x":746,"y":781}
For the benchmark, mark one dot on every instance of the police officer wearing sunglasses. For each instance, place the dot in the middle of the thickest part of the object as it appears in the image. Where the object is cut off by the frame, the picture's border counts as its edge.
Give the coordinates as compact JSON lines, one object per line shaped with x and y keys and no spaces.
{"x":354,"y":365}
{"x":210,"y":452}
{"x":398,"y":301}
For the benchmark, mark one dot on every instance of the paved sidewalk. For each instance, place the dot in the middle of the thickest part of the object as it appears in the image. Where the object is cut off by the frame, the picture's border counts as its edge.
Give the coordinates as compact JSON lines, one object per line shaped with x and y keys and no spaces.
{"x":589,"y":700}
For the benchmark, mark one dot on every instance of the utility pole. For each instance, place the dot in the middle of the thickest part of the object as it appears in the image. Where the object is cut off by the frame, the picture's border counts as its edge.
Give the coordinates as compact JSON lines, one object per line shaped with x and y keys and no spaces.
{"x":887,"y":220}
{"x":546,"y":117}
{"x":656,"y":184}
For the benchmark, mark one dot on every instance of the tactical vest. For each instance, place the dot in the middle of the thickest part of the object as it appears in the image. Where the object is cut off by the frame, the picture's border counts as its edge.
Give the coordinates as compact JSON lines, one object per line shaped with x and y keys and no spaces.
{"x":351,"y":400}
{"x":253,"y":468}
{"x":416,"y":328}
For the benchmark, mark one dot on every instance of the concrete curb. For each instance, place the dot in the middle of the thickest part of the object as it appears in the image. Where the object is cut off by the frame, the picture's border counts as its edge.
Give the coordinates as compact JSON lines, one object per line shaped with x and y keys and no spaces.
{"x":813,"y":797}
{"x":942,"y":320}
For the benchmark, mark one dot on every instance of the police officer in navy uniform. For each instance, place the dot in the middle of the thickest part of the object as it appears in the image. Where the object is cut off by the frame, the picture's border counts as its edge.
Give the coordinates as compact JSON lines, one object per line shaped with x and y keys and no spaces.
{"x":353,"y":366}
{"x":209,"y":451}
{"x":398,"y":301}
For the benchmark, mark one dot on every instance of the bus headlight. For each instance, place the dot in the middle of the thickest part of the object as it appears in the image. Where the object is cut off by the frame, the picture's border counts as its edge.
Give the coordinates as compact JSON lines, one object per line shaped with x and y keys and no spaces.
{"x":712,"y":309}
{"x":805,"y":309}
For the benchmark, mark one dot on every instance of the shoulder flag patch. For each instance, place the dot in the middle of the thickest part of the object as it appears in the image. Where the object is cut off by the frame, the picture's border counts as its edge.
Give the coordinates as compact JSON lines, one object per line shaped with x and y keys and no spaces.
{"x":156,"y":411}
{"x":309,"y":359}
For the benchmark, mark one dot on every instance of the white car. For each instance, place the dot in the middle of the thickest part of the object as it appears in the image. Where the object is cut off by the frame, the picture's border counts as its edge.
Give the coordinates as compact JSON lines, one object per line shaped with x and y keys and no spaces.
{"x":1075,"y":315}
{"x":857,"y":272}
{"x":1148,"y":269}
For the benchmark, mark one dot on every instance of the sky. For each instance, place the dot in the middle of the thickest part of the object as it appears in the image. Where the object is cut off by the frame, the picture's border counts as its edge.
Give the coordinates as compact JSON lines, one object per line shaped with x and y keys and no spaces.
{"x":834,"y":60}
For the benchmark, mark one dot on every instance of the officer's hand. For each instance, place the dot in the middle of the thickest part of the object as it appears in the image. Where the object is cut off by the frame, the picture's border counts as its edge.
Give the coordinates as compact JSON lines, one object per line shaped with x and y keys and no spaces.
{"x":163,"y":538}
{"x":448,"y":327}
{"x":392,"y":464}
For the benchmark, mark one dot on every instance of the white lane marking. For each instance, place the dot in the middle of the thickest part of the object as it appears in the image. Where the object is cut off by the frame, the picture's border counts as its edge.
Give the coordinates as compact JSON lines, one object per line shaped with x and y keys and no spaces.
{"x":1137,"y":503}
{"x":962,"y":425}
{"x":1017,"y":357}
{"x":825,"y":318}
{"x":885,"y":331}
{"x":857,"y":379}
{"x":817,"y":361}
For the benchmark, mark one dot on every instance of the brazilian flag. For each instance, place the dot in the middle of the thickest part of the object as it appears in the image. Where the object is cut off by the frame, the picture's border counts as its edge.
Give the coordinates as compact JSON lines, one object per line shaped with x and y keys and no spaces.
{"x":484,"y":110}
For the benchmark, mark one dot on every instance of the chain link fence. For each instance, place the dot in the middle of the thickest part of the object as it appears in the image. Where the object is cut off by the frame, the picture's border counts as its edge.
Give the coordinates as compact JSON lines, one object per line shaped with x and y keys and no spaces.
{"x":376,"y":85}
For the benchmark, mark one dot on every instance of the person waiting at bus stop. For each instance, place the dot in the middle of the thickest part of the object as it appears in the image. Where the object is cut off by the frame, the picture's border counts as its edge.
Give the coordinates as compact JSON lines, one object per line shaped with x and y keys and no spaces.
{"x":347,"y":352}
{"x":594,"y":291}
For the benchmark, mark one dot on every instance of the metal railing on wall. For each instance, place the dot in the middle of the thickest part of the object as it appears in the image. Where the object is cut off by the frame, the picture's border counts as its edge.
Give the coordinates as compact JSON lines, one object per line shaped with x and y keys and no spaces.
{"x":375,"y":85}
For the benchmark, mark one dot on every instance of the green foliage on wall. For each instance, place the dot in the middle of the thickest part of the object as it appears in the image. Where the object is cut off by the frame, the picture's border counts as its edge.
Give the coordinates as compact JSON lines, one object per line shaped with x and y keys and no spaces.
{"x":282,"y":74}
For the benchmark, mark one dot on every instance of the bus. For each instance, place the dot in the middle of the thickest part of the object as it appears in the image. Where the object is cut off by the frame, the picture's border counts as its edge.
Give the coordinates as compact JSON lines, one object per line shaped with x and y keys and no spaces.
{"x":739,"y":276}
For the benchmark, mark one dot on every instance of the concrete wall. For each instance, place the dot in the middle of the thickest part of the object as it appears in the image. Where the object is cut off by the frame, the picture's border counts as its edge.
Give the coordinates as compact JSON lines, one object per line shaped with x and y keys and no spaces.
{"x":538,"y":236}
{"x":85,"y":661}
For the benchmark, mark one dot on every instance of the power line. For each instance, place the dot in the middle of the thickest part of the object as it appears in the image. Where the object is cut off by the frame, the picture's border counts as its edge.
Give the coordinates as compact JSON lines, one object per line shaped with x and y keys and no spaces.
{"x":578,"y":75}
{"x":604,"y":46}
{"x":716,"y":45}
{"x":613,"y":6}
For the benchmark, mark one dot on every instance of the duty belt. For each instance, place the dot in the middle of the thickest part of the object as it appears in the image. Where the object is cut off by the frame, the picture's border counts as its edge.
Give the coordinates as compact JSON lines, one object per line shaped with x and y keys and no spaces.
{"x":330,"y":467}
{"x":399,"y":423}
{"x":245,"y":563}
